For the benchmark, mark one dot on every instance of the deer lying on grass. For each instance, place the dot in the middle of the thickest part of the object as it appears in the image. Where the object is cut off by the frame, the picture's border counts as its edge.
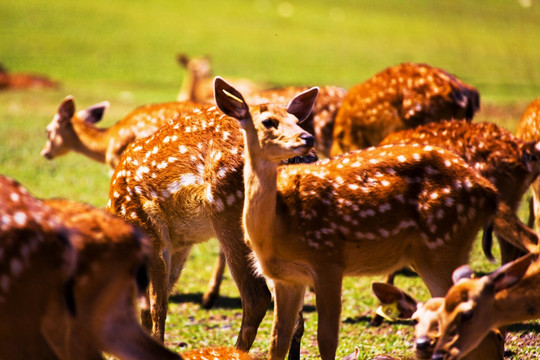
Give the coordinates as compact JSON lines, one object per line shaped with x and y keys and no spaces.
{"x":17,"y":81}
{"x":183,"y":185}
{"x":397,"y":304}
{"x":397,"y":98}
{"x":508,"y":162}
{"x":197,"y":83}
{"x":364,"y":212}
{"x":37,"y":262}
{"x":528,"y":129}
{"x":76,"y":131}
{"x":473,"y":307}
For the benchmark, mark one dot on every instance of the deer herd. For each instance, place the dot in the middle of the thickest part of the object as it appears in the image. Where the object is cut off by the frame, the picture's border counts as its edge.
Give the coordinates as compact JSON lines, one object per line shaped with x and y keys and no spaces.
{"x":301,"y":186}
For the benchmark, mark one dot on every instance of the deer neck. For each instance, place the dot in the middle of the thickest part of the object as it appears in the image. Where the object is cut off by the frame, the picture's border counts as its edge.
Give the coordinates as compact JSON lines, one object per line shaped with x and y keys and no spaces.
{"x":260,"y":182}
{"x":89,"y":140}
{"x":187,"y":89}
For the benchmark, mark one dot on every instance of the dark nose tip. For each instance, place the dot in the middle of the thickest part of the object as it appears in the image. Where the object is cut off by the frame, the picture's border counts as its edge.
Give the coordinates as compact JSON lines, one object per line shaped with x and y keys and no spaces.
{"x":437,"y":356}
{"x":308,"y":139}
{"x":423,"y":343}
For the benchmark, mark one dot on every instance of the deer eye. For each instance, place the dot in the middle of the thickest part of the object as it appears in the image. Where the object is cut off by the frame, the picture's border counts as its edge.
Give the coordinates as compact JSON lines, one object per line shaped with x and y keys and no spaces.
{"x":270,"y":123}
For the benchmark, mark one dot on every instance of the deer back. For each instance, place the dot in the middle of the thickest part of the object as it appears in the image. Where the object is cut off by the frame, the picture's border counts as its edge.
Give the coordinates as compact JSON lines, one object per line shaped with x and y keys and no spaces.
{"x":397,"y":98}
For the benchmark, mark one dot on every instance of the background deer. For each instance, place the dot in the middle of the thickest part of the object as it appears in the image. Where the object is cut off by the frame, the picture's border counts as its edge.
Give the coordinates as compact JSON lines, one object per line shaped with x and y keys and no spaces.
{"x":509,"y":163}
{"x":76,"y":131}
{"x":36,"y":264}
{"x":397,"y":98}
{"x":528,"y":129}
{"x":397,"y":304}
{"x":18,"y":81}
{"x":361,"y":213}
{"x":183,"y":185}
{"x":473,"y":307}
{"x":197,"y":82}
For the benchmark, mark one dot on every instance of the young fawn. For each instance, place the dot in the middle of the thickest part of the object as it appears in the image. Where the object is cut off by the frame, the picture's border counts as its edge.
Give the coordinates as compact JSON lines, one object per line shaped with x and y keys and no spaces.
{"x":365,"y":212}
{"x":17,"y":81}
{"x":37,"y":263}
{"x":397,"y":98}
{"x":510,"y":163}
{"x":473,"y":307}
{"x":76,"y":131}
{"x":183,"y":185}
{"x":397,"y":304}
{"x":528,"y":129}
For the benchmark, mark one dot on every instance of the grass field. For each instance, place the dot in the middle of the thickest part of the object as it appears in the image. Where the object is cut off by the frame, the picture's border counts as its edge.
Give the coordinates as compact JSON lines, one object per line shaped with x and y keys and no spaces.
{"x":124,"y":51}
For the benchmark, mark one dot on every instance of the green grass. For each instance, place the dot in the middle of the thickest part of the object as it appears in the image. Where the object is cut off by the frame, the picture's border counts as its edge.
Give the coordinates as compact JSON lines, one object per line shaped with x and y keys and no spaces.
{"x":124,"y":51}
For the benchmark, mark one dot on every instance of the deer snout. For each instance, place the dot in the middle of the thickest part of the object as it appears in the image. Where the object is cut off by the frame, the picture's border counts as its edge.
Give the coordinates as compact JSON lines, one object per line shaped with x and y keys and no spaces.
{"x":46,"y":153}
{"x":438,"y":356}
{"x":423,"y":343}
{"x":309,"y":140}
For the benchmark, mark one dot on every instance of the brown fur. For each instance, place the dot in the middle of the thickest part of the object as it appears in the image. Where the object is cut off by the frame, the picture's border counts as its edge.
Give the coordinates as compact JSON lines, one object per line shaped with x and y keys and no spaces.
{"x":397,"y":98}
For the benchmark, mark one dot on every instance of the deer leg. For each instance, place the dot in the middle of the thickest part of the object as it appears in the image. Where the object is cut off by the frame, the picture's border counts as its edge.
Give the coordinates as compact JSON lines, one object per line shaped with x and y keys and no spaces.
{"x":511,"y":229}
{"x":328,"y":294}
{"x":254,"y":293}
{"x":296,"y":342}
{"x":288,"y":301}
{"x":212,"y":293}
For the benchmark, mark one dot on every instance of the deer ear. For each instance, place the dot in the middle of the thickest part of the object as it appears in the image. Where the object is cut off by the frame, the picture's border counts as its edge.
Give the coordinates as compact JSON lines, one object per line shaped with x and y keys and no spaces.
{"x":94,"y":113}
{"x":229,"y":100}
{"x":462,"y":272}
{"x":182,"y":59}
{"x":509,"y":274}
{"x":66,"y":110}
{"x":394,"y":298}
{"x":302,"y":105}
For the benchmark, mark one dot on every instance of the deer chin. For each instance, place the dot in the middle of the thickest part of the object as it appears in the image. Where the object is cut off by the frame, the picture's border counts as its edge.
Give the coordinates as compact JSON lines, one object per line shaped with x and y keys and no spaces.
{"x":302,"y":150}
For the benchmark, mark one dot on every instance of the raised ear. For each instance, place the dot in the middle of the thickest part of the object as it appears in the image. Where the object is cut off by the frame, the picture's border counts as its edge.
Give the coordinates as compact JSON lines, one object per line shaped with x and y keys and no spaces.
{"x":393,"y":298}
{"x":229,"y":100}
{"x":66,"y":110}
{"x":302,"y":105}
{"x":94,"y":113}
{"x":462,"y":272}
{"x":509,"y":274}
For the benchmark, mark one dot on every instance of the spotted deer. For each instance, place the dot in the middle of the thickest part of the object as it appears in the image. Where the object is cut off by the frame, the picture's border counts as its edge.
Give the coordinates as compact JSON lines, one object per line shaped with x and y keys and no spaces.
{"x":198,"y":86}
{"x":528,"y":129}
{"x":109,"y":277}
{"x":320,"y":122}
{"x":361,"y":213}
{"x":510,"y":163}
{"x":397,"y":304}
{"x":473,"y":307}
{"x":197,"y":82}
{"x":17,"y":81}
{"x":37,"y":263}
{"x":76,"y":131}
{"x":397,"y":98}
{"x":183,"y":185}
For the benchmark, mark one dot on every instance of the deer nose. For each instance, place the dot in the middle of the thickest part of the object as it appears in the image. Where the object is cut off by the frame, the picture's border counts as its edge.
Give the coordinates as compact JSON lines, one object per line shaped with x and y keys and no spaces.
{"x":437,"y":356}
{"x":423,"y":343}
{"x":308,"y":139}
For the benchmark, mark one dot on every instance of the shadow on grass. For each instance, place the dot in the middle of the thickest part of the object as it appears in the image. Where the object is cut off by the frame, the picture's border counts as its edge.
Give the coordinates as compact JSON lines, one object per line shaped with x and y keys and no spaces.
{"x":222,"y":302}
{"x":366,"y":321}
{"x":525,"y":328}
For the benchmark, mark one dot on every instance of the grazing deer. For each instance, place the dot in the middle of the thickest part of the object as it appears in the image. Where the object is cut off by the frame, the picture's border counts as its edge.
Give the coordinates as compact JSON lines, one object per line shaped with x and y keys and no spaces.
{"x":397,"y":98}
{"x":397,"y":304}
{"x":76,"y":131}
{"x":183,"y":185}
{"x":37,"y":262}
{"x":510,"y":163}
{"x":19,"y":81}
{"x":528,"y":129}
{"x":364,"y":212}
{"x":473,"y":307}
{"x":197,"y":83}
